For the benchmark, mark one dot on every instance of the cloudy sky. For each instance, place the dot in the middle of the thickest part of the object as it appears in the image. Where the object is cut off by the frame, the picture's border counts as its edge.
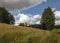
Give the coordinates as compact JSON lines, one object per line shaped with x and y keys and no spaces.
{"x":30,"y":11}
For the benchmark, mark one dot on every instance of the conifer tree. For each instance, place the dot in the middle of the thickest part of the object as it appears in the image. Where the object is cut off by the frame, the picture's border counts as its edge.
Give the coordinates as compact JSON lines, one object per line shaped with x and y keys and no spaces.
{"x":48,"y":19}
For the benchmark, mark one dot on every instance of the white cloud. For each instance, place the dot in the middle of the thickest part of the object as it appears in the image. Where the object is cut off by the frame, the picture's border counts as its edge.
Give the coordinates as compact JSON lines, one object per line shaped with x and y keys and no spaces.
{"x":37,"y":1}
{"x":19,"y":4}
{"x":53,"y":9}
{"x":27,"y":19}
{"x":23,"y":19}
{"x":57,"y":22}
{"x":36,"y":18}
{"x":38,"y":22}
{"x":57,"y":16}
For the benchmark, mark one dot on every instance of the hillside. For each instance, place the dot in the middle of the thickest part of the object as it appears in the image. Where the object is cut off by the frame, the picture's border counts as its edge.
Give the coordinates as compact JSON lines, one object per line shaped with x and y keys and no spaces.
{"x":20,"y":34}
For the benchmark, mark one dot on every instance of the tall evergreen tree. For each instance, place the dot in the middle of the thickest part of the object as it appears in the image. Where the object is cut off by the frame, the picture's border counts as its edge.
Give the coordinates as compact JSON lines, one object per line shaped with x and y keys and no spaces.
{"x":48,"y":19}
{"x":5,"y":16}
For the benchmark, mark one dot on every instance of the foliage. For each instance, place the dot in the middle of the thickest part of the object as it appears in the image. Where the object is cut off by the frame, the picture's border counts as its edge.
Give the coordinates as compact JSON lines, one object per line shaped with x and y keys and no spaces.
{"x":48,"y":19}
{"x":35,"y":25}
{"x":21,"y":24}
{"x":57,"y":26}
{"x":5,"y":16}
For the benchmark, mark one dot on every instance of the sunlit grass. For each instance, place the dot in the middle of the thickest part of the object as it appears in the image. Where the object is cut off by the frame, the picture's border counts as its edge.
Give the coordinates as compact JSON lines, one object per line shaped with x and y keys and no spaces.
{"x":20,"y":34}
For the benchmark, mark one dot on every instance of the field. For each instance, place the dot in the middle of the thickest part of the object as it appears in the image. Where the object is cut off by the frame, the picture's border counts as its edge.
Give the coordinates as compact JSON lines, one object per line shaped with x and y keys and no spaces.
{"x":20,"y":34}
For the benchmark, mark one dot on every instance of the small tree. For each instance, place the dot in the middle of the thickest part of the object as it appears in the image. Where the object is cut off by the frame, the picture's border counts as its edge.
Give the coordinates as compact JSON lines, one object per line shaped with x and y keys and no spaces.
{"x":48,"y":19}
{"x":5,"y":16}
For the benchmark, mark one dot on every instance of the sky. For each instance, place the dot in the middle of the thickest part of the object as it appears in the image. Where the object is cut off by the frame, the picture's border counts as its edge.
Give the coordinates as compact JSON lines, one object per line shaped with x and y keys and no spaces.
{"x":30,"y":11}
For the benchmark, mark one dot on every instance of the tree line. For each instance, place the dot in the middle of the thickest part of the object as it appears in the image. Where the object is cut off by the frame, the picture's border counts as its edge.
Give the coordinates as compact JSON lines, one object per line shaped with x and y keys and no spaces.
{"x":47,"y":19}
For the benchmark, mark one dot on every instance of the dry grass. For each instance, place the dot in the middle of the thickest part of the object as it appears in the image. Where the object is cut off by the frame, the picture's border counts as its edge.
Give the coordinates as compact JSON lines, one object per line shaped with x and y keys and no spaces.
{"x":20,"y":34}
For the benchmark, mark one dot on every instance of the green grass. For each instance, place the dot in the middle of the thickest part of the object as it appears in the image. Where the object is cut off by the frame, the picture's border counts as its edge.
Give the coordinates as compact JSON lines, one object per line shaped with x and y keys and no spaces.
{"x":20,"y":34}
{"x":56,"y":31}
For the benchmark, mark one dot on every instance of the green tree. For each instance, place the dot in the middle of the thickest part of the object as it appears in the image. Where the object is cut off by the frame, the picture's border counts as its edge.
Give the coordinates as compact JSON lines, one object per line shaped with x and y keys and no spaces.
{"x":48,"y":19}
{"x":21,"y":24}
{"x":5,"y":16}
{"x":12,"y":20}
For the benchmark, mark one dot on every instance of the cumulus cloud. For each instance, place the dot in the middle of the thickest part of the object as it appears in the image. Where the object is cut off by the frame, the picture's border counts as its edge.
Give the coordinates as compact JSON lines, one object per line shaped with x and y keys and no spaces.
{"x":23,"y":19}
{"x":37,"y":17}
{"x":27,"y":19}
{"x":19,"y":4}
{"x":57,"y":22}
{"x":38,"y":22}
{"x":57,"y":16}
{"x":53,"y":9}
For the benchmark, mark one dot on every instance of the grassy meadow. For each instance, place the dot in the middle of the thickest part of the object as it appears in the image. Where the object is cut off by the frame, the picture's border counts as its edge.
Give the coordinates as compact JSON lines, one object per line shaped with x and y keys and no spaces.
{"x":20,"y":34}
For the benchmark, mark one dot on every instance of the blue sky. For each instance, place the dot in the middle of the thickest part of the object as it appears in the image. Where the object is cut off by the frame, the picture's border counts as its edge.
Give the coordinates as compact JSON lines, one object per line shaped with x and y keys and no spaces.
{"x":36,"y":11}
{"x":30,"y":11}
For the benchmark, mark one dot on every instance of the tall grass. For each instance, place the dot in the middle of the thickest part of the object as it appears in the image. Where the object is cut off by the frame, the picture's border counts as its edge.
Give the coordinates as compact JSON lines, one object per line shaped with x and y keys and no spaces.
{"x":20,"y":34}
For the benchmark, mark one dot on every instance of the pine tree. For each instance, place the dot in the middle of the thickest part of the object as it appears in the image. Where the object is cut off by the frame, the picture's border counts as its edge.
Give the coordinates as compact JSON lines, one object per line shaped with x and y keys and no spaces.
{"x":48,"y":19}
